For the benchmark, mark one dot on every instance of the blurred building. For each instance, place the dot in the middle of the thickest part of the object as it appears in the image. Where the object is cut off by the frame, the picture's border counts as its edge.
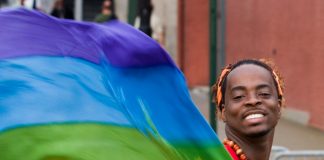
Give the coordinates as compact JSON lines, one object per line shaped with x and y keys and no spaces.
{"x":289,"y":32}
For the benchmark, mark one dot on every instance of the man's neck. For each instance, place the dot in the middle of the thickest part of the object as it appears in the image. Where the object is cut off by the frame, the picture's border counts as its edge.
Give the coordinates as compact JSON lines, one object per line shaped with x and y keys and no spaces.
{"x":256,"y":147}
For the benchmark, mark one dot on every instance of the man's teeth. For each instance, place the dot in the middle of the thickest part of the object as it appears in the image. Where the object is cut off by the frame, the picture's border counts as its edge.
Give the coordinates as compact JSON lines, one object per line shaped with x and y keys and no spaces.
{"x":251,"y":116}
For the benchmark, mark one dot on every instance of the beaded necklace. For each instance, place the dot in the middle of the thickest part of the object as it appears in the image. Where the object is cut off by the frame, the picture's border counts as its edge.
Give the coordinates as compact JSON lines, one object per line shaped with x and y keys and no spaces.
{"x":239,"y":152}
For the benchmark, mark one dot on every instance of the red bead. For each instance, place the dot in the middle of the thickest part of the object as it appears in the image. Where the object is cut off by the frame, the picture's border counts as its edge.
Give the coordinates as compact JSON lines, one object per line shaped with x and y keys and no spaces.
{"x":231,"y":143}
{"x":239,"y":151}
{"x":243,"y":157}
{"x":225,"y":141}
{"x":236,"y":147}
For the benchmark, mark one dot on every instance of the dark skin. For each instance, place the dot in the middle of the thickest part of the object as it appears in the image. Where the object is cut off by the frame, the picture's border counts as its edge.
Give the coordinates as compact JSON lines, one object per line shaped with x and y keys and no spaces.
{"x":251,"y":110}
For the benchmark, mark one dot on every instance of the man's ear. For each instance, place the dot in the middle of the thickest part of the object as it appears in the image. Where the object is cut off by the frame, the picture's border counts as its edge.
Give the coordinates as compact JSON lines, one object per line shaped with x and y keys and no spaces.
{"x":223,"y":111}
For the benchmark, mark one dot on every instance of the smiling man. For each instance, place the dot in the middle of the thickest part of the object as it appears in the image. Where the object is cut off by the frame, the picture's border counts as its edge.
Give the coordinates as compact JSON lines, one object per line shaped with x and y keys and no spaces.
{"x":249,"y":99}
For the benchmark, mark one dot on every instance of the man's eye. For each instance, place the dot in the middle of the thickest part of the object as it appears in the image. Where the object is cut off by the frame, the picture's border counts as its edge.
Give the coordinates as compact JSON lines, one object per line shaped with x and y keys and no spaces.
{"x":237,"y":97}
{"x":266,"y":95}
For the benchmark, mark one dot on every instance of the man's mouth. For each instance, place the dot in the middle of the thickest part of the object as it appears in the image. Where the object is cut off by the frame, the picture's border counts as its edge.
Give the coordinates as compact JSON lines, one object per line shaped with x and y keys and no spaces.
{"x":254,"y":116}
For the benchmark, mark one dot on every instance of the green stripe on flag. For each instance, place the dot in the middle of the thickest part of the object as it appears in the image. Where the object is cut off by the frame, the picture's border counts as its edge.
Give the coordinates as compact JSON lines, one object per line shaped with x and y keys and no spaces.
{"x":81,"y":142}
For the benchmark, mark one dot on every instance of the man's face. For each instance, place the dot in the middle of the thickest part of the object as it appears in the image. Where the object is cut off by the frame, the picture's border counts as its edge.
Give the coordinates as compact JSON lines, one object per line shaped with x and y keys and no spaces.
{"x":251,"y":104}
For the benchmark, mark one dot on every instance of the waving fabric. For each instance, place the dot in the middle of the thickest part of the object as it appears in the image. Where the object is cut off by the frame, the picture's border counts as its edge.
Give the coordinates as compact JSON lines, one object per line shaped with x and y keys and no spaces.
{"x":84,"y":91}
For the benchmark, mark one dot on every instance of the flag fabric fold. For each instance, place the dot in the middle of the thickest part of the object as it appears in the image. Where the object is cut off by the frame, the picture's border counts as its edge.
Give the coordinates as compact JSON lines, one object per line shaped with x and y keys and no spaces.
{"x":84,"y":91}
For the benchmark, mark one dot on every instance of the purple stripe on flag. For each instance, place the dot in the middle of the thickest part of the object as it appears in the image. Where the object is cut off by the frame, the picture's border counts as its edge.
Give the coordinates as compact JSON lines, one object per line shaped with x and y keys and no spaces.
{"x":26,"y":33}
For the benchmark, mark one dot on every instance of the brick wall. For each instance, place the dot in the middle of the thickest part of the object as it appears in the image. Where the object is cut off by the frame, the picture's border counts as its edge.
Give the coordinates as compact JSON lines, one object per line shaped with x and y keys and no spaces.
{"x":193,"y":40}
{"x":290,"y":32}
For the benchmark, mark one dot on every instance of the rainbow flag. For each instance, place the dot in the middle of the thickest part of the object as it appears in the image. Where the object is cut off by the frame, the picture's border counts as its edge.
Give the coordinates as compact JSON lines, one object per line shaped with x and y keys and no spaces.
{"x":84,"y":91}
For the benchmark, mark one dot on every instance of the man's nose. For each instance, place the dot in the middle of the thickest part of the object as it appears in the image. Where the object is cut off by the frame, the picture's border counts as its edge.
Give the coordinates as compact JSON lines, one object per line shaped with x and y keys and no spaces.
{"x":253,"y":100}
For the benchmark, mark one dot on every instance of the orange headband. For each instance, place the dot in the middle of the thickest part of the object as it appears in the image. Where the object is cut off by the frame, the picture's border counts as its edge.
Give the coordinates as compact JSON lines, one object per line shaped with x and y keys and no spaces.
{"x":278,"y":83}
{"x":219,"y":85}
